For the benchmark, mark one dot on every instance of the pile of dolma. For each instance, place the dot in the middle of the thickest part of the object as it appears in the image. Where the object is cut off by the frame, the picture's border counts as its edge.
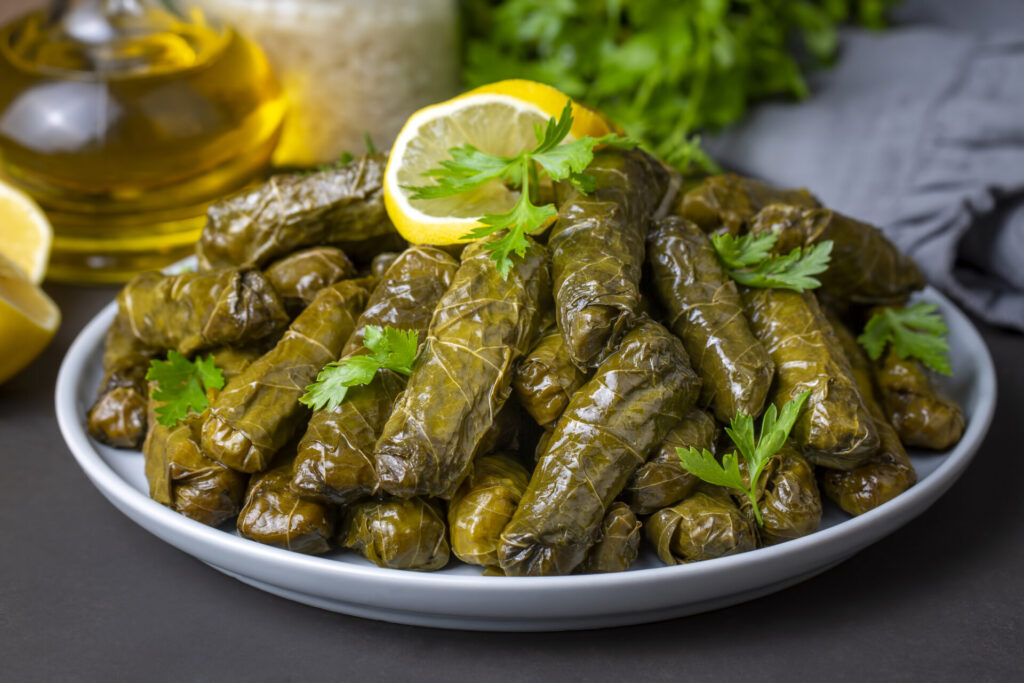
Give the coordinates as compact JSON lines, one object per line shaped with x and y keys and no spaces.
{"x":537,"y":432}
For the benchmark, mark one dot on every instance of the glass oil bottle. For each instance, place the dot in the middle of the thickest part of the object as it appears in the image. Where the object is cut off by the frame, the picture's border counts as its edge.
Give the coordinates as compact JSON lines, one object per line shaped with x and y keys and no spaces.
{"x":124,"y":119}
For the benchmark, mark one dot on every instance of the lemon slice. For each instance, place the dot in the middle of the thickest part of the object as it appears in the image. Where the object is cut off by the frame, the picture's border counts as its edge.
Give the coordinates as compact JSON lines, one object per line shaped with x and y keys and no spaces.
{"x":498,"y":118}
{"x":25,"y":234}
{"x":585,"y":121}
{"x":28,"y":319}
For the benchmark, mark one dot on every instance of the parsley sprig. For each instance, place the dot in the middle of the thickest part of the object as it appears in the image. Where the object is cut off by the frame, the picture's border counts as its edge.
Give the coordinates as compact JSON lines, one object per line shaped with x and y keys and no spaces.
{"x":775,"y":428}
{"x":469,"y":169}
{"x":181,"y":385}
{"x":917,"y":331}
{"x":389,"y":348}
{"x":749,"y":261}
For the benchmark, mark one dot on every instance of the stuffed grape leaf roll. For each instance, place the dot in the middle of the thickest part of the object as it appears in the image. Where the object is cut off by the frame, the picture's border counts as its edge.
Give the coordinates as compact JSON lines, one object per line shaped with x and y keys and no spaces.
{"x":547,"y":378}
{"x":483,"y":324}
{"x":704,"y":526}
{"x":922,"y":416}
{"x":728,"y":202}
{"x":259,"y":411}
{"x":605,"y":434}
{"x":298,"y":277}
{"x":232,"y":360}
{"x":662,"y":481}
{"x":619,"y":545}
{"x":483,"y":505}
{"x":704,"y":309}
{"x":180,"y":475}
{"x":381,"y":262}
{"x":335,"y":460}
{"x":788,"y":498}
{"x":835,"y":428}
{"x":118,"y":416}
{"x":190,"y":312}
{"x":597,"y":251}
{"x":343,"y":207}
{"x":275,"y":515}
{"x":505,"y":432}
{"x":398,"y":533}
{"x":866,"y":267}
{"x":888,"y":472}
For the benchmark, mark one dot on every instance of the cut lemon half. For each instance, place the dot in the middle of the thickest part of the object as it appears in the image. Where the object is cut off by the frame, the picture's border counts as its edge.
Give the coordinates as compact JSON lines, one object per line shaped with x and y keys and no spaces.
{"x":28,"y":319}
{"x":498,"y":118}
{"x":25,"y":234}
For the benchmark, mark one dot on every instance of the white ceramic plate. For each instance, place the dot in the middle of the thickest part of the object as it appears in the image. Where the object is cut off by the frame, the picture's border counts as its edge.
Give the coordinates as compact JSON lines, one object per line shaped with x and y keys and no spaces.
{"x":459,"y":597}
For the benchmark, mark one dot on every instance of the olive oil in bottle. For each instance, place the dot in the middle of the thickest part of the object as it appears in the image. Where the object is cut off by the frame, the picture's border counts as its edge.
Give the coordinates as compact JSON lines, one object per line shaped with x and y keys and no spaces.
{"x":124,"y":119}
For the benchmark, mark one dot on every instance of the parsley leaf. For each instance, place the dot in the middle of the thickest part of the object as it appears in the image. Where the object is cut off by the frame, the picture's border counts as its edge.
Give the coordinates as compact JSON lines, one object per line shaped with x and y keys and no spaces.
{"x":702,"y":464}
{"x":392,"y":348}
{"x":469,"y":169}
{"x":740,"y":252}
{"x":748,"y":260}
{"x":794,"y":271}
{"x":389,"y":348}
{"x":523,"y":219}
{"x":181,"y":385}
{"x":757,"y":453}
{"x":334,"y":380}
{"x":917,"y":331}
{"x":571,"y":159}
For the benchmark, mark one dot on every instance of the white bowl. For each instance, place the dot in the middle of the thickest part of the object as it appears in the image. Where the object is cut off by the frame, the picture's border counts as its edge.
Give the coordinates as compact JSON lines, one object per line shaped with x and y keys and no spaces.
{"x":458,"y":596}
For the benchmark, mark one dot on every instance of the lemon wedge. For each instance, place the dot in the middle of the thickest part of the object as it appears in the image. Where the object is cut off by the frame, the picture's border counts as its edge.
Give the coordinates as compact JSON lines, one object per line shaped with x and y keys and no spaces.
{"x":28,"y":319}
{"x":498,"y":118}
{"x":25,"y":234}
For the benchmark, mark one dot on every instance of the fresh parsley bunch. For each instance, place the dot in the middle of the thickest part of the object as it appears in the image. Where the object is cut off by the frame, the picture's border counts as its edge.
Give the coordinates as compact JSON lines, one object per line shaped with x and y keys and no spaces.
{"x":917,"y":331}
{"x":662,"y":70}
{"x":749,"y":261}
{"x":389,"y":348}
{"x":775,"y":428}
{"x":469,"y":169}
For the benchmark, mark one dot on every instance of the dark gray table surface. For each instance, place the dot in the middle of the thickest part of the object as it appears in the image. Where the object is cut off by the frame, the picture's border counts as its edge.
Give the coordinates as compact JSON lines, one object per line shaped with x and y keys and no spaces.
{"x":85,"y":594}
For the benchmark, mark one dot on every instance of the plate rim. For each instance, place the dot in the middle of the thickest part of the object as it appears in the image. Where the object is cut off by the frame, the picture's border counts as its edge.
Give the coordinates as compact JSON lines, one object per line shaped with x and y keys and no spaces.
{"x":852,"y":534}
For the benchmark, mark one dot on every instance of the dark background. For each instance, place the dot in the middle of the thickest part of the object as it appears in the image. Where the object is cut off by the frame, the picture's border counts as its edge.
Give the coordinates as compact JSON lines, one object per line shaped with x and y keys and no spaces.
{"x":85,"y":594}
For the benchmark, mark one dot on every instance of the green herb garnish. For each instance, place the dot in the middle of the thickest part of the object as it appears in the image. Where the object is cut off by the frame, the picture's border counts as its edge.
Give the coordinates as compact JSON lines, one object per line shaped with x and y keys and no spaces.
{"x":389,"y":348}
{"x":775,"y":428}
{"x":917,"y":331}
{"x":181,"y":385}
{"x":748,"y":260}
{"x":469,"y":169}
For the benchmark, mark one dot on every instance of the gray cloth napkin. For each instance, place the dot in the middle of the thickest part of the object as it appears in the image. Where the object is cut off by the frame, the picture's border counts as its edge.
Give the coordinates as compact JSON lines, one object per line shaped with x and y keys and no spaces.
{"x":920,"y":131}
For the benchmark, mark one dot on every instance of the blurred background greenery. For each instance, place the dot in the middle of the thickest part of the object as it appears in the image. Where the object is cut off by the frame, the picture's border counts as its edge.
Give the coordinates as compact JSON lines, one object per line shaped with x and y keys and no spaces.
{"x":665,"y":71}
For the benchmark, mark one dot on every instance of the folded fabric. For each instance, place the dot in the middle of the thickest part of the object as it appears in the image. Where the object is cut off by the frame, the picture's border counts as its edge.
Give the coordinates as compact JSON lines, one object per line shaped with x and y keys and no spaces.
{"x":919,"y":130}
